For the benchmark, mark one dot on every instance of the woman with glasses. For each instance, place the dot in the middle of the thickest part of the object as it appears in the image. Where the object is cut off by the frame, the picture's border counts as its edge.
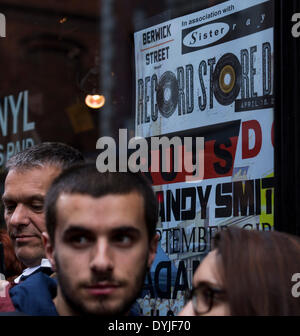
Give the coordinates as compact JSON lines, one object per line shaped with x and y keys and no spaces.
{"x":248,"y":273}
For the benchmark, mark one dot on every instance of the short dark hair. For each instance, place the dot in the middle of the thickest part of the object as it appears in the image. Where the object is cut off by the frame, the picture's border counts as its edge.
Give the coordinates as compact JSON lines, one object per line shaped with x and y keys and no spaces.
{"x":51,"y":153}
{"x":256,"y":268}
{"x":86,"y":179}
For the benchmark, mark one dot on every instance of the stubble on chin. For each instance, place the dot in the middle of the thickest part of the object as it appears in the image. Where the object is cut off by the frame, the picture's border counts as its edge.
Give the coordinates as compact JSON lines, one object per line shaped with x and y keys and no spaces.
{"x":77,"y":302}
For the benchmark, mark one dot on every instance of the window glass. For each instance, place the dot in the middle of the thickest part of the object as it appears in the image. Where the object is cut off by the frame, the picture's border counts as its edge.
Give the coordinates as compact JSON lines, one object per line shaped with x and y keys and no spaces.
{"x":75,"y":71}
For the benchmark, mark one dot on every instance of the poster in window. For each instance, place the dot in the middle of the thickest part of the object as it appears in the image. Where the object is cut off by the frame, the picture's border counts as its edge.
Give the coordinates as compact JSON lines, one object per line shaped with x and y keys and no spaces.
{"x":210,"y":75}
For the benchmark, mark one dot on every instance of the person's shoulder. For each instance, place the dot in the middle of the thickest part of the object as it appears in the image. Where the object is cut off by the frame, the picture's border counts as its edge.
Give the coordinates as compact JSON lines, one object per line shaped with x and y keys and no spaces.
{"x":35,"y":282}
{"x":34,"y":288}
{"x":34,"y":295}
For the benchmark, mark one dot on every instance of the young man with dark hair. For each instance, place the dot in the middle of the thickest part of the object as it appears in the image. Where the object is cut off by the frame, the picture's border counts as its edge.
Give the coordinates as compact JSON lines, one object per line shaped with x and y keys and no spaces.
{"x":101,"y":239}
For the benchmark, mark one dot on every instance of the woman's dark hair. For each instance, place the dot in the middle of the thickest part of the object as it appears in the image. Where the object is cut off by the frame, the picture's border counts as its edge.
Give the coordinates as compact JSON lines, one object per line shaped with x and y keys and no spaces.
{"x":256,"y":269}
{"x":85,"y":179}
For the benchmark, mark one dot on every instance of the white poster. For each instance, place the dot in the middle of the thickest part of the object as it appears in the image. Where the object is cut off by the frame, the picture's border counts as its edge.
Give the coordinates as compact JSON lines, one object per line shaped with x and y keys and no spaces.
{"x":208,"y":74}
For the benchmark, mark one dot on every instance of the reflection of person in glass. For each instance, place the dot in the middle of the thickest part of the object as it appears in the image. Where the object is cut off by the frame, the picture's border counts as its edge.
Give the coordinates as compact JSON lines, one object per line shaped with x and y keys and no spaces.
{"x":249,"y":273}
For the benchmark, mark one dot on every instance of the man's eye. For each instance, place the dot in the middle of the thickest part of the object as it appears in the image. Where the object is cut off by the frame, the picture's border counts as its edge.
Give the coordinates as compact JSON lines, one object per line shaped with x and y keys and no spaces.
{"x":79,"y":240}
{"x":9,"y":207}
{"x":123,"y":239}
{"x":37,"y":206}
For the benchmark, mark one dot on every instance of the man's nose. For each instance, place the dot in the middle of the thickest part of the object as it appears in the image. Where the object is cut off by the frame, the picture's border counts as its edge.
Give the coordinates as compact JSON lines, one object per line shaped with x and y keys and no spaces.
{"x":19,"y":216}
{"x":102,"y":257}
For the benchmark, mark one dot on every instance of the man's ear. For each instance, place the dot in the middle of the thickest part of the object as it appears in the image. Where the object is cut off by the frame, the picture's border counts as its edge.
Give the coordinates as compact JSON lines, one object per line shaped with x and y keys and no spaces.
{"x":152,"y":249}
{"x":49,"y":250}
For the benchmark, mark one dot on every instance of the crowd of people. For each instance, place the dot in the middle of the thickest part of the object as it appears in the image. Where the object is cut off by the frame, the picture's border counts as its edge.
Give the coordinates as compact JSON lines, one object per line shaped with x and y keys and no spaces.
{"x":80,"y":242}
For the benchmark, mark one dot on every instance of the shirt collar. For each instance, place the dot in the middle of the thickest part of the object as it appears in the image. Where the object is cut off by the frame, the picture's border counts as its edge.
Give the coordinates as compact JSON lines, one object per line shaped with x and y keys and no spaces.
{"x":27,"y":271}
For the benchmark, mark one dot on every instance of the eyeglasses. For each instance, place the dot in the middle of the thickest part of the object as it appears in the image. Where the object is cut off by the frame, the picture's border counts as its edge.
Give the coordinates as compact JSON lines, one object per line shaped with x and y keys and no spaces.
{"x":204,"y":296}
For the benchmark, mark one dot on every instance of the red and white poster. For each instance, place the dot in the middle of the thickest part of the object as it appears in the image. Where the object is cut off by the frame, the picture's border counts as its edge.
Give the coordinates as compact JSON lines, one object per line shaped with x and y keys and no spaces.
{"x":207,"y":74}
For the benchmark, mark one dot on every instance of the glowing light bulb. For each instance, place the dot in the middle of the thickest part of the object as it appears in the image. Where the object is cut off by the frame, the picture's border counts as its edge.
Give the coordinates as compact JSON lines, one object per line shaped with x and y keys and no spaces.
{"x":94,"y":101}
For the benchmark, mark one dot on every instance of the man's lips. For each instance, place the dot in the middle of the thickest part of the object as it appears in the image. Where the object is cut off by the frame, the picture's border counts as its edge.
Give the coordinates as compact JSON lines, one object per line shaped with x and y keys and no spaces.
{"x":23,"y":238}
{"x":105,"y":288}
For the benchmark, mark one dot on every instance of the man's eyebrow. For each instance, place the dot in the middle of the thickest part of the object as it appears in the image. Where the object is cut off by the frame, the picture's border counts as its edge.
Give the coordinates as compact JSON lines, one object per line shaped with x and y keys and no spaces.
{"x":74,"y":229}
{"x":118,"y":230}
{"x":126,"y":230}
{"x":31,"y":198}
